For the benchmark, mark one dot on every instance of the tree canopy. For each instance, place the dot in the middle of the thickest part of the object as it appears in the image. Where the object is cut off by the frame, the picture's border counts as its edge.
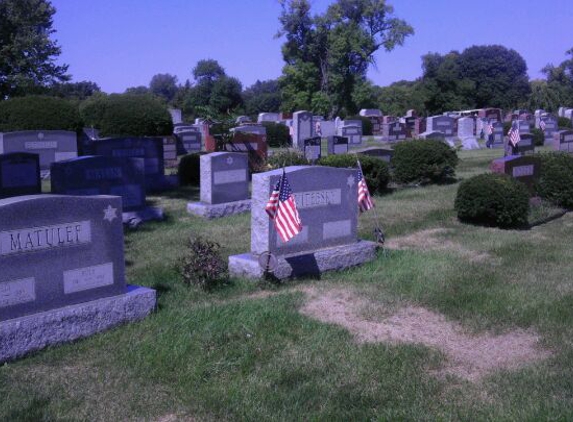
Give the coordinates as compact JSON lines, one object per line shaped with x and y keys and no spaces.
{"x":164,"y":86}
{"x":27,"y":54}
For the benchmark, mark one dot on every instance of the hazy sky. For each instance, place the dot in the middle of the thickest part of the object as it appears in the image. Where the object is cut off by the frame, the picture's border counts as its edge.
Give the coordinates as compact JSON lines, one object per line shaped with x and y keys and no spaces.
{"x":123,"y":43}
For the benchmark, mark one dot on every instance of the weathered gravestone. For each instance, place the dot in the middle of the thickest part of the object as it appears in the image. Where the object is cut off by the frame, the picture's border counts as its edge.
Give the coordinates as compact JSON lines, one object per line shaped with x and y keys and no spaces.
{"x":326,"y":199}
{"x":312,"y":148}
{"x":62,"y":271}
{"x":19,"y":174}
{"x":444,"y":124}
{"x":353,"y":133}
{"x":337,"y":145}
{"x":224,"y":185}
{"x":328,"y":128}
{"x":189,"y":141}
{"x":396,"y":131}
{"x":150,"y":149}
{"x":522,"y":168}
{"x":302,"y":128}
{"x":50,"y":145}
{"x":563,"y":140}
{"x":523,"y":126}
{"x":101,"y":175}
{"x":169,"y":151}
{"x":268,"y":117}
{"x":253,"y":143}
{"x":466,"y":126}
{"x":551,"y":126}
{"x":412,"y":127}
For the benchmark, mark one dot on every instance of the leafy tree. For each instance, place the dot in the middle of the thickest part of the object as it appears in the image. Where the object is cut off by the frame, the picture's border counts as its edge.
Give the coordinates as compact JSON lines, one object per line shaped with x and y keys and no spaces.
{"x":262,"y":97}
{"x":164,"y":86}
{"x":137,"y":90}
{"x":401,"y":96}
{"x":544,"y":96}
{"x":330,"y":53}
{"x":560,"y":81}
{"x":27,"y":54}
{"x":207,"y":71}
{"x":77,"y":90}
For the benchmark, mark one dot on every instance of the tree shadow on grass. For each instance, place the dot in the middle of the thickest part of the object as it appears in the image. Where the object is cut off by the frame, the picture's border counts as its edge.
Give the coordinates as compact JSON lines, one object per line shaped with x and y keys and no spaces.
{"x":36,"y":410}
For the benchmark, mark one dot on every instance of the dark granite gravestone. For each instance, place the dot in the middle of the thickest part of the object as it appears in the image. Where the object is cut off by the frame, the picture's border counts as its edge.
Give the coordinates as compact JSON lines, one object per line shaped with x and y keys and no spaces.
{"x":381,"y":153}
{"x":444,"y":124}
{"x":396,"y":131}
{"x":312,"y":148}
{"x":498,"y":135}
{"x":101,"y":175}
{"x":62,"y":271}
{"x":189,"y":141}
{"x":224,"y":185}
{"x":150,"y":149}
{"x":337,"y":145}
{"x":522,"y":168}
{"x":253,"y":143}
{"x":523,"y":127}
{"x":353,"y":133}
{"x":50,"y":145}
{"x":169,"y":151}
{"x":526,"y":146}
{"x":551,"y":127}
{"x":412,"y":127}
{"x":563,"y":140}
{"x":19,"y":174}
{"x":302,"y":128}
{"x":326,"y":199}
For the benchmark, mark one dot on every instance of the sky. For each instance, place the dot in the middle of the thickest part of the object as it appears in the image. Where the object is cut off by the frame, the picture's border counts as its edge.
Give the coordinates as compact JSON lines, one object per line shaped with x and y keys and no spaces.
{"x":123,"y":43}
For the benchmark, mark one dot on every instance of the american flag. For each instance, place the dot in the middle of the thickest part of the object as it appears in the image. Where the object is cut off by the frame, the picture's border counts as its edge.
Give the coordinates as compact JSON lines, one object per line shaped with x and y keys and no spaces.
{"x":513,"y":134}
{"x":365,"y":201}
{"x":281,"y":208}
{"x":542,"y":124}
{"x":489,"y":128}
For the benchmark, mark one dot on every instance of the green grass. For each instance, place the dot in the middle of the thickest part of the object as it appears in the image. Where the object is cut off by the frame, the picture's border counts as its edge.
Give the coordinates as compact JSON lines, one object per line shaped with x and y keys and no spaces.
{"x":227,"y":356}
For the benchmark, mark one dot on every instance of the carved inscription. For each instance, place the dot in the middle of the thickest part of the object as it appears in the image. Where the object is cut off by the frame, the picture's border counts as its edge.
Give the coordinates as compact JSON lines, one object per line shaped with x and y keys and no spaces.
{"x":39,"y":238}
{"x":320,"y":198}
{"x":229,"y":176}
{"x":41,"y":145}
{"x":523,"y":171}
{"x":17,"y":291}
{"x":88,"y":278}
{"x":104,"y":173}
{"x":568,"y":138}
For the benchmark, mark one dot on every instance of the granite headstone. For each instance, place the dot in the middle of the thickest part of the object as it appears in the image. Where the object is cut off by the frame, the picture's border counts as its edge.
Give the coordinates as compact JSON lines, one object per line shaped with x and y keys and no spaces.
{"x":19,"y":174}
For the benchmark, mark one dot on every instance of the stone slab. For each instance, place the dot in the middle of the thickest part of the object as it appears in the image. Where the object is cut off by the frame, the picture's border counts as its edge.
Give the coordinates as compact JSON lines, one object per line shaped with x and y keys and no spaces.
{"x":305,"y":264}
{"x":23,"y":335}
{"x":210,"y":211}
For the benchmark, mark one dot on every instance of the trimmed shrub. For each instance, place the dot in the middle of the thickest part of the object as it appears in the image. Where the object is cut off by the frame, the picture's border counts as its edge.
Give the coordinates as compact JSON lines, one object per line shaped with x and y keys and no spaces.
{"x":203,"y":265}
{"x":424,"y":161}
{"x":286,"y":158}
{"x":366,"y":124}
{"x":277,"y":134}
{"x":556,"y":178}
{"x":37,"y":112}
{"x":127,"y":115}
{"x":189,"y":169}
{"x":375,"y":170}
{"x":493,"y":199}
{"x":538,"y":137}
{"x":564,"y":123}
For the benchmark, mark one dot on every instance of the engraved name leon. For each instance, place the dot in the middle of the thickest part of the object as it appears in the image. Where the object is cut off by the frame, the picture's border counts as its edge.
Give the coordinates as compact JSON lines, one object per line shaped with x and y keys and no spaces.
{"x":38,"y":238}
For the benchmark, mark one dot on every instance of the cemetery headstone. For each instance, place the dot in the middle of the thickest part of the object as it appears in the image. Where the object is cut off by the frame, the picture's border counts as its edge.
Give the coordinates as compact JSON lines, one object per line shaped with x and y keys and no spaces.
{"x":328,"y":128}
{"x":189,"y":141}
{"x":370,"y":112}
{"x":302,"y":128}
{"x":522,"y":168}
{"x":525,"y":146}
{"x":337,"y":145}
{"x":396,"y":131}
{"x":175,"y":115}
{"x":312,"y":148}
{"x":381,"y":153}
{"x":63,"y":271}
{"x":563,"y":140}
{"x":523,"y":126}
{"x":19,"y":174}
{"x":353,"y":133}
{"x":253,"y":143}
{"x":443,"y":124}
{"x":268,"y":117}
{"x":50,"y":145}
{"x":104,"y":175}
{"x":326,"y":199}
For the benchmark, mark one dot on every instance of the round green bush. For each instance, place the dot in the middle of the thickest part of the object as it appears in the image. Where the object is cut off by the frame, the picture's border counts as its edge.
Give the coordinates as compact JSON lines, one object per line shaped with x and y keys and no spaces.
{"x":556,"y":178}
{"x":564,"y":123}
{"x":366,"y":124}
{"x":424,"y":161}
{"x":277,"y":134}
{"x":38,"y":112}
{"x":287,"y":157}
{"x":189,"y":171}
{"x":538,"y":137}
{"x":493,"y":199}
{"x":127,"y":115}
{"x":375,"y":170}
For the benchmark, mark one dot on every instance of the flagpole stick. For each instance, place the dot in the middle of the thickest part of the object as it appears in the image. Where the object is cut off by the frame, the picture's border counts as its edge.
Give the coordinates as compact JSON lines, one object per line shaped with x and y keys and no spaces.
{"x":281,"y":181}
{"x":378,"y":229}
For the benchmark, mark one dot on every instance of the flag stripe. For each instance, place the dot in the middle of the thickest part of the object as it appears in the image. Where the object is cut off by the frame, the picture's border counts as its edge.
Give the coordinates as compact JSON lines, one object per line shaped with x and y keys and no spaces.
{"x":281,"y":208}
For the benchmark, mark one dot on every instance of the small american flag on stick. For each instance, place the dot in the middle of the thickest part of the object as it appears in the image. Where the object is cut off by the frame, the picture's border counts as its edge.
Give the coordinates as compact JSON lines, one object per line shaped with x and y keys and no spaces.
{"x":281,"y":208}
{"x":489,"y":128}
{"x":542,"y":124}
{"x":513,"y":134}
{"x":365,"y":201}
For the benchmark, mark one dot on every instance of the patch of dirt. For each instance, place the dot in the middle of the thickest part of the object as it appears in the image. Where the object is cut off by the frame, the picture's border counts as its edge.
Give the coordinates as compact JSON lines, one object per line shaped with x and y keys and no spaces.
{"x":469,"y":357}
{"x":429,"y":239}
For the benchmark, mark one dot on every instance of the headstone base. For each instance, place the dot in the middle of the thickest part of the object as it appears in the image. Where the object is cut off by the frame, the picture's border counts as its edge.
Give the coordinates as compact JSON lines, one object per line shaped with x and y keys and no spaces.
{"x":470,"y":143}
{"x":20,"y":336}
{"x":218,"y":210}
{"x":144,"y":214}
{"x":307,"y":263}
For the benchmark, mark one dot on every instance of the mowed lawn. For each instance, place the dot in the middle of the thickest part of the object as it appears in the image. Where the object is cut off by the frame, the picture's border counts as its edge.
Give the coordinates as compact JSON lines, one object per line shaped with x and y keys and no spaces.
{"x":260,"y":352}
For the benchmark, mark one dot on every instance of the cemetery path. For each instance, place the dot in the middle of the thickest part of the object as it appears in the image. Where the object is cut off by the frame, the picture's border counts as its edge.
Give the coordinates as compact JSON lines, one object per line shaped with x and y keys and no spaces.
{"x":468,"y":356}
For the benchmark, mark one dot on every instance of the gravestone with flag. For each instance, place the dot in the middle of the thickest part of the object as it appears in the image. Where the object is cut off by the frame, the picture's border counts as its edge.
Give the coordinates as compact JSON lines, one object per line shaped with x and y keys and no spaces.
{"x":306,"y":217}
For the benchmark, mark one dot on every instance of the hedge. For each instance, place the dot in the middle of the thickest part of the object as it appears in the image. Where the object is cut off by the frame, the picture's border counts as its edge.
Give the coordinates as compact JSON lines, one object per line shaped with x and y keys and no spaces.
{"x":424,"y":161}
{"x":375,"y":170}
{"x":556,"y":178}
{"x":277,"y":134}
